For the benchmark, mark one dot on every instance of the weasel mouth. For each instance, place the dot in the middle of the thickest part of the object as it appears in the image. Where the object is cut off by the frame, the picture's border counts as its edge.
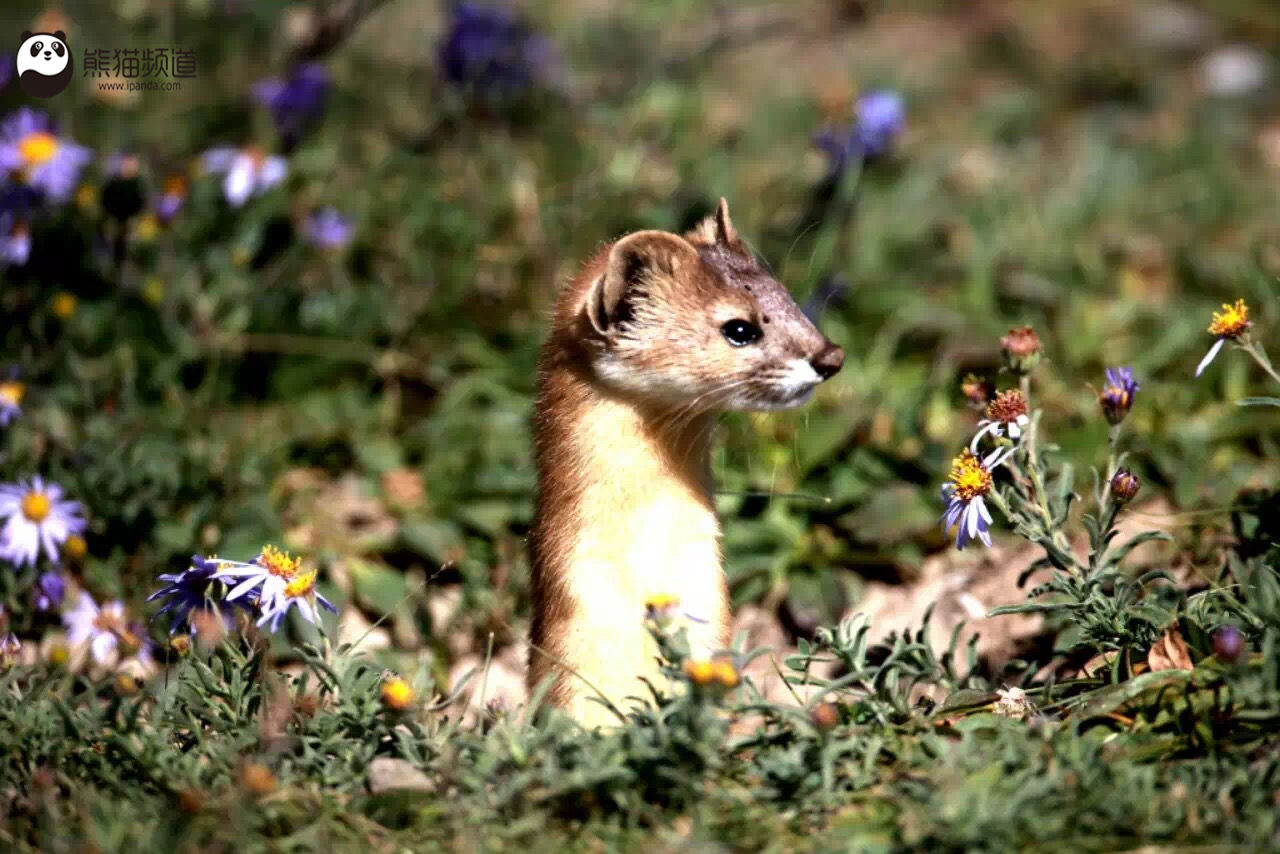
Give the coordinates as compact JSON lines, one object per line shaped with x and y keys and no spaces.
{"x":775,"y":397}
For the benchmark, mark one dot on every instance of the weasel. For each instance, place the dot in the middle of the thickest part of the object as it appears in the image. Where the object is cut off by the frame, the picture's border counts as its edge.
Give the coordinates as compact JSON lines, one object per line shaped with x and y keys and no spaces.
{"x":656,"y":334}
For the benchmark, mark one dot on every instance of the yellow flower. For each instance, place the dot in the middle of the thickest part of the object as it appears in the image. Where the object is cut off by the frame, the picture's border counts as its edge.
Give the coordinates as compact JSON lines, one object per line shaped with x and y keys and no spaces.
{"x":699,"y":671}
{"x":63,"y":305}
{"x":1232,"y":321}
{"x":725,"y":673}
{"x":153,"y":290}
{"x":87,"y":197}
{"x":75,"y":547}
{"x":396,"y":693}
{"x":146,"y":228}
{"x":12,"y":392}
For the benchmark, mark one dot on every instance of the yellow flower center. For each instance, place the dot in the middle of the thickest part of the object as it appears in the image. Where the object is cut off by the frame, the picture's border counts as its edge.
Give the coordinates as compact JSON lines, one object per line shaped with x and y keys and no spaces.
{"x":661,"y":602}
{"x":969,"y":477}
{"x":12,"y":392}
{"x":36,"y":506}
{"x":301,"y":586}
{"x":37,"y":148}
{"x":278,"y":562}
{"x":1232,"y":321}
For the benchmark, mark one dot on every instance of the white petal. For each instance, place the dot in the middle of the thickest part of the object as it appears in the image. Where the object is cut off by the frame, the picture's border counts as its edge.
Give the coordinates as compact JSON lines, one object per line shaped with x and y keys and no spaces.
{"x":239,"y":182}
{"x":971,"y":516}
{"x":982,"y":508}
{"x":1209,"y":357}
{"x":272,"y":171}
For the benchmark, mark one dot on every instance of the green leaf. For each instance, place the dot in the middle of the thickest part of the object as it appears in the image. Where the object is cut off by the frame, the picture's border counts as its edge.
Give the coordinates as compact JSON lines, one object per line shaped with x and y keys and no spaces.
{"x":378,"y":587}
{"x":1258,"y":401}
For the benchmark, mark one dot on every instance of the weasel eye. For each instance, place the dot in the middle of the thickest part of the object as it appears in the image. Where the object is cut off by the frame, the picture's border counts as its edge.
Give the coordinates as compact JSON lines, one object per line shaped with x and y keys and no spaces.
{"x":36,"y":48}
{"x":740,"y":333}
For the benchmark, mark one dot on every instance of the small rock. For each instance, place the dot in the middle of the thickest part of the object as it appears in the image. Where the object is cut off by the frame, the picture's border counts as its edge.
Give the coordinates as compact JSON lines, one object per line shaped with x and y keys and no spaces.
{"x":387,"y":774}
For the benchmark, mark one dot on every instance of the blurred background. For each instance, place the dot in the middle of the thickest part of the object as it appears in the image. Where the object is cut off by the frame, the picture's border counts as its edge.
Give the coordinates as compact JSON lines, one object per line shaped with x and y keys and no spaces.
{"x":298,"y":299}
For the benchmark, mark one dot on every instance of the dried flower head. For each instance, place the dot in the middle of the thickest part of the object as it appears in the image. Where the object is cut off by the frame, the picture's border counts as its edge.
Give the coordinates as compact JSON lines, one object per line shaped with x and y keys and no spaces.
{"x":257,"y":779}
{"x":1006,"y":416}
{"x":825,"y":716}
{"x":1124,"y":486}
{"x":977,"y":390}
{"x":1013,"y":703}
{"x":1021,"y":348}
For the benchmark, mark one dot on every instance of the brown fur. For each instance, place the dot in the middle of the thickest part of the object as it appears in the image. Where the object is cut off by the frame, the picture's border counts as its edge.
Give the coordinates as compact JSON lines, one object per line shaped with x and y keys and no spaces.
{"x":630,"y":379}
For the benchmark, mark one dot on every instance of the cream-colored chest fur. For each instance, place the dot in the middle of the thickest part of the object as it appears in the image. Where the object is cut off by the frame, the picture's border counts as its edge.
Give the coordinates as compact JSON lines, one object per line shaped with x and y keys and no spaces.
{"x":646,"y":527}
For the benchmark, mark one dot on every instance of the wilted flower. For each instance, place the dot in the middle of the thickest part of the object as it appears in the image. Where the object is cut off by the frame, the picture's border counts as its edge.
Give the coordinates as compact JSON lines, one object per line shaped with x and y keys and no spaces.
{"x":970,"y":482}
{"x":880,"y":117}
{"x":1013,"y":703}
{"x":11,"y":394}
{"x":104,"y":629}
{"x":15,"y":242}
{"x":490,"y":50}
{"x":40,"y":158}
{"x":37,"y":516}
{"x":1228,"y":325}
{"x":327,"y":229}
{"x":192,"y":593}
{"x":1006,"y":416}
{"x":171,"y":200}
{"x":249,"y":171}
{"x":1021,"y":348}
{"x":1116,"y":398}
{"x":295,"y":101}
{"x":1228,"y":644}
{"x":48,"y":592}
{"x":257,"y":779}
{"x":977,"y":390}
{"x":1124,"y":486}
{"x":10,"y":646}
{"x":396,"y":693}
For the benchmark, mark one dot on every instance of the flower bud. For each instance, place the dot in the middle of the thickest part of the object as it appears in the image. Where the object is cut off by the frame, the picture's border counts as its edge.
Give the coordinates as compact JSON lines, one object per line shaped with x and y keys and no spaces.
{"x":396,"y":693}
{"x":1124,"y":485}
{"x":977,"y":390}
{"x":1021,"y":348}
{"x":1117,"y":397}
{"x":825,"y":716}
{"x":1228,"y":644}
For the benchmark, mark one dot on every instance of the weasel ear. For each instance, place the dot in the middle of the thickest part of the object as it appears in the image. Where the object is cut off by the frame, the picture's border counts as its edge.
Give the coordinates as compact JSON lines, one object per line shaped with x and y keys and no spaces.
{"x":60,"y":36}
{"x":725,"y":232}
{"x":634,"y":260}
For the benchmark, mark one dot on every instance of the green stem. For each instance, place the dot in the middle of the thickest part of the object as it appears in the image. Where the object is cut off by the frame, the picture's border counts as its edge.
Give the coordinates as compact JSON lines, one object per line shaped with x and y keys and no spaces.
{"x":1259,"y":355}
{"x":1113,"y":441}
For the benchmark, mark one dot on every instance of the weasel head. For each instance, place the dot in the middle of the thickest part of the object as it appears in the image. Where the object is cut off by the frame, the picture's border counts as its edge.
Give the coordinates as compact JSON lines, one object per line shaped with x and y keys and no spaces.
{"x":695,"y":324}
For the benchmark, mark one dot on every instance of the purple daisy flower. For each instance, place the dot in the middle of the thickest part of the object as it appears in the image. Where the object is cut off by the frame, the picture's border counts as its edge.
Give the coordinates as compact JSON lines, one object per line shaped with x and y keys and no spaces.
{"x":1117,"y":397}
{"x":44,"y":161}
{"x":970,"y":482}
{"x":492,"y":50}
{"x":11,"y":393}
{"x":192,"y":591}
{"x":328,"y":229}
{"x":880,"y":118}
{"x":37,"y":516}
{"x":106,"y":630}
{"x":294,"y":101}
{"x":49,"y":591}
{"x":248,"y":171}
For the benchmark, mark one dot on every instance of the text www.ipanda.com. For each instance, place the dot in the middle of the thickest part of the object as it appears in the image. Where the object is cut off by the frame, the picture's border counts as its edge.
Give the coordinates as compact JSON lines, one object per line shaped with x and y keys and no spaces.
{"x":140,"y":86}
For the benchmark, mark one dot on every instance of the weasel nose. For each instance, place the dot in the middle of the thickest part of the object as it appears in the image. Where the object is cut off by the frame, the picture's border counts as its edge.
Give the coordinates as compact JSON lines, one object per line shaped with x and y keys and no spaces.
{"x":828,"y":361}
